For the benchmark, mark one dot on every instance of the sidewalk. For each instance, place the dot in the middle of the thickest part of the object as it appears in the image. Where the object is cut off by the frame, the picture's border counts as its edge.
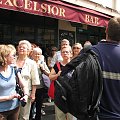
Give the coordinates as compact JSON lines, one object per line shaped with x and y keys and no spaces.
{"x":49,"y":110}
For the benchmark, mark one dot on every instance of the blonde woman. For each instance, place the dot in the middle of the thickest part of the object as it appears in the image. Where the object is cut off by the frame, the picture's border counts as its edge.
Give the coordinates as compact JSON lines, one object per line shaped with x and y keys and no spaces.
{"x":9,"y":103}
{"x":76,"y":48}
{"x":29,"y":73}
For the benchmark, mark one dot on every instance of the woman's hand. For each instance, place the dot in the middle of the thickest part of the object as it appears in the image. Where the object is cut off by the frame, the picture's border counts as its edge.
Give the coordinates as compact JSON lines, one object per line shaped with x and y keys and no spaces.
{"x":10,"y":97}
{"x":41,"y":67}
{"x":32,"y":97}
{"x":59,"y":72}
{"x":24,"y":98}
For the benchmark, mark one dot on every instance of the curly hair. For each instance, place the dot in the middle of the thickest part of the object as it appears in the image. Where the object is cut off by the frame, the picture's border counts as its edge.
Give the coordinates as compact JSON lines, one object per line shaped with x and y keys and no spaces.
{"x":25,"y":42}
{"x":5,"y":50}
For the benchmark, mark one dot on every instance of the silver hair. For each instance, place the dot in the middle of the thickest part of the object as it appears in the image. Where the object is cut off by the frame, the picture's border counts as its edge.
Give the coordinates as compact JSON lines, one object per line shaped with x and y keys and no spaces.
{"x":79,"y":44}
{"x":26,"y":42}
{"x":65,"y":40}
{"x":37,"y":49}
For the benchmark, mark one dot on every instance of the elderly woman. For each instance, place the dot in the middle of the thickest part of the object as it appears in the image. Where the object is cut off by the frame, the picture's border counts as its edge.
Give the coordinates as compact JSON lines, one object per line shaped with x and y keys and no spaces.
{"x":76,"y":48}
{"x":9,"y":103}
{"x":29,"y":73}
{"x":41,"y":89}
{"x":66,"y":54}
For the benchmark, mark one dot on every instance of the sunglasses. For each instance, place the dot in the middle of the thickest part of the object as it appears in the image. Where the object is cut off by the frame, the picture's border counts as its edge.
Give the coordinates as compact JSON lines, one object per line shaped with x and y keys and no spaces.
{"x":76,"y":48}
{"x":54,"y":50}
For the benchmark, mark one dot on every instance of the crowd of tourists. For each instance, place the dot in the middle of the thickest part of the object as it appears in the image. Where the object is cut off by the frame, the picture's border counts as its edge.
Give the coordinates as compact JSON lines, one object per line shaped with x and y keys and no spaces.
{"x":32,"y":67}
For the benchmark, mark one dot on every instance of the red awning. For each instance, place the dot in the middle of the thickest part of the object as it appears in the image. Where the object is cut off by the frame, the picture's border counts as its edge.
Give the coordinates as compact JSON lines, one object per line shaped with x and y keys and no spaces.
{"x":57,"y":9}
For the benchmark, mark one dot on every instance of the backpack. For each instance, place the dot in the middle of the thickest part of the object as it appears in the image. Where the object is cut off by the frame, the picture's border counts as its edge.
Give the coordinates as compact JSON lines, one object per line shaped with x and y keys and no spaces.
{"x":79,"y":87}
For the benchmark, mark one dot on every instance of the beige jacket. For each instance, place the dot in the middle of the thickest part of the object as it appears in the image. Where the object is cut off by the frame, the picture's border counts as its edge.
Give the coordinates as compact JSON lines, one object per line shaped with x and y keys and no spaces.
{"x":30,"y":73}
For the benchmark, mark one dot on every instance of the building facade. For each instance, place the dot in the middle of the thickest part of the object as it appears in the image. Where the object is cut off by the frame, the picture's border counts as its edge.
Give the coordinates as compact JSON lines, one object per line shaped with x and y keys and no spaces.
{"x":47,"y":22}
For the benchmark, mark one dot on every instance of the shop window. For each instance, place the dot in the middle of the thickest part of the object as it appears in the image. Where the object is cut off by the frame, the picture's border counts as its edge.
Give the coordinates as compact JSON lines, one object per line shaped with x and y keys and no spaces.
{"x":22,"y":32}
{"x":46,"y":37}
{"x":81,"y":38}
{"x":93,"y":30}
{"x":5,"y":33}
{"x":1,"y":32}
{"x":15,"y":26}
{"x":93,"y":39}
{"x":70,"y":35}
{"x":93,"y":34}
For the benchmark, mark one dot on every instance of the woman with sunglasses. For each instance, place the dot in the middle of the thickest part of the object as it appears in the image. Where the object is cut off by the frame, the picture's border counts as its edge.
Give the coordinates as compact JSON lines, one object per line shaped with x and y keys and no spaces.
{"x":76,"y":48}
{"x":9,"y":103}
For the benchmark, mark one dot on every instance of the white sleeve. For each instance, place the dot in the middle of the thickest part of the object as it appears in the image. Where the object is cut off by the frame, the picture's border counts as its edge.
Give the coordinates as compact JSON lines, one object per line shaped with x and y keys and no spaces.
{"x":53,"y":60}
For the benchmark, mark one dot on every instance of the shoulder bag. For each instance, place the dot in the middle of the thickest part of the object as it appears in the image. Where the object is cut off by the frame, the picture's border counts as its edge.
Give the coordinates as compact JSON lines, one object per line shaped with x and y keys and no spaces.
{"x":51,"y":90}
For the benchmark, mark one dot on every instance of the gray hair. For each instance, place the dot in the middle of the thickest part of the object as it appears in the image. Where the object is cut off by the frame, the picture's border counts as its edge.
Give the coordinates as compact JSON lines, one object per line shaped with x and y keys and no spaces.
{"x":37,"y":49}
{"x":25,"y":42}
{"x":65,"y":40}
{"x":79,"y":44}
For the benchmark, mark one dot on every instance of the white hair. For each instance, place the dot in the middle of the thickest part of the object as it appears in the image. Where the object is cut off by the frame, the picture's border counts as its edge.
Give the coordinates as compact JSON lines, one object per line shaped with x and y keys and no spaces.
{"x":79,"y":44}
{"x":27,"y":43}
{"x":65,"y":40}
{"x":37,"y":49}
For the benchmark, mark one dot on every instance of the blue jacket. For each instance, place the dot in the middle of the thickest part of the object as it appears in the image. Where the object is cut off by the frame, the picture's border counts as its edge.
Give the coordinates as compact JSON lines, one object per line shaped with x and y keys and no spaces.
{"x":109,"y":57}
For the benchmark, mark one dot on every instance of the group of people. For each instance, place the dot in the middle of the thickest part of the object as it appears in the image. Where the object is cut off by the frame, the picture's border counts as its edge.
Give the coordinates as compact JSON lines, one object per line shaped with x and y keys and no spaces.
{"x":31,"y":65}
{"x":108,"y":52}
{"x":10,"y":108}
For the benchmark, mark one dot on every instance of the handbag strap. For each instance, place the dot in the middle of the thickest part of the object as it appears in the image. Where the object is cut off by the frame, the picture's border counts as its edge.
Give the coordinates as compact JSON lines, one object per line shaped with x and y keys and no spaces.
{"x":58,"y":66}
{"x":17,"y":79}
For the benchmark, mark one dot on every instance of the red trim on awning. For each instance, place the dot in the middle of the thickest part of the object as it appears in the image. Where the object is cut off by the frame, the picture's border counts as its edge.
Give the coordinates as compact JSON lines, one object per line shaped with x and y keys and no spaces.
{"x":57,"y":9}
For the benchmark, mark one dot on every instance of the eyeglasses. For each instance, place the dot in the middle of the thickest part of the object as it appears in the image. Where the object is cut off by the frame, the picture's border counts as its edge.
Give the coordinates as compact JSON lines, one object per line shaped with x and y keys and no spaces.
{"x":11,"y":55}
{"x":38,"y":54}
{"x":76,"y":48}
{"x":65,"y":52}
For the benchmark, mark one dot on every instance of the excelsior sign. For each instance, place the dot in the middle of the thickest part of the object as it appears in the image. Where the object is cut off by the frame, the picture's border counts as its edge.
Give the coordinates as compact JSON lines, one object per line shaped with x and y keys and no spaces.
{"x":55,"y":10}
